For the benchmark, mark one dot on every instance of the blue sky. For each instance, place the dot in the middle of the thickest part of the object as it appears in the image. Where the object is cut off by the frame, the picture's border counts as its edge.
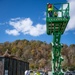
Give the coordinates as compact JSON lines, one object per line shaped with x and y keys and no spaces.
{"x":25,"y":19}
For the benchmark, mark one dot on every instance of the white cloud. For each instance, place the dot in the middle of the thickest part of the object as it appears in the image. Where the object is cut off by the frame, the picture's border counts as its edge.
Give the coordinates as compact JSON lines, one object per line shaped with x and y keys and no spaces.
{"x":71,"y":24}
{"x":18,"y":18}
{"x":38,"y":30}
{"x":26,"y":26}
{"x":12,"y":32}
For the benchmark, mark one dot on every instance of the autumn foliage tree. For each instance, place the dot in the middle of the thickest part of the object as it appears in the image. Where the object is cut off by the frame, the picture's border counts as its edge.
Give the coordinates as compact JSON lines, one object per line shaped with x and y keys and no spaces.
{"x":37,"y":53}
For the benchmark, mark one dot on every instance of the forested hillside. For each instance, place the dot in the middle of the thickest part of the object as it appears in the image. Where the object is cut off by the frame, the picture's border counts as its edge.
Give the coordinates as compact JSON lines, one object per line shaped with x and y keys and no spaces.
{"x":38,"y":53}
